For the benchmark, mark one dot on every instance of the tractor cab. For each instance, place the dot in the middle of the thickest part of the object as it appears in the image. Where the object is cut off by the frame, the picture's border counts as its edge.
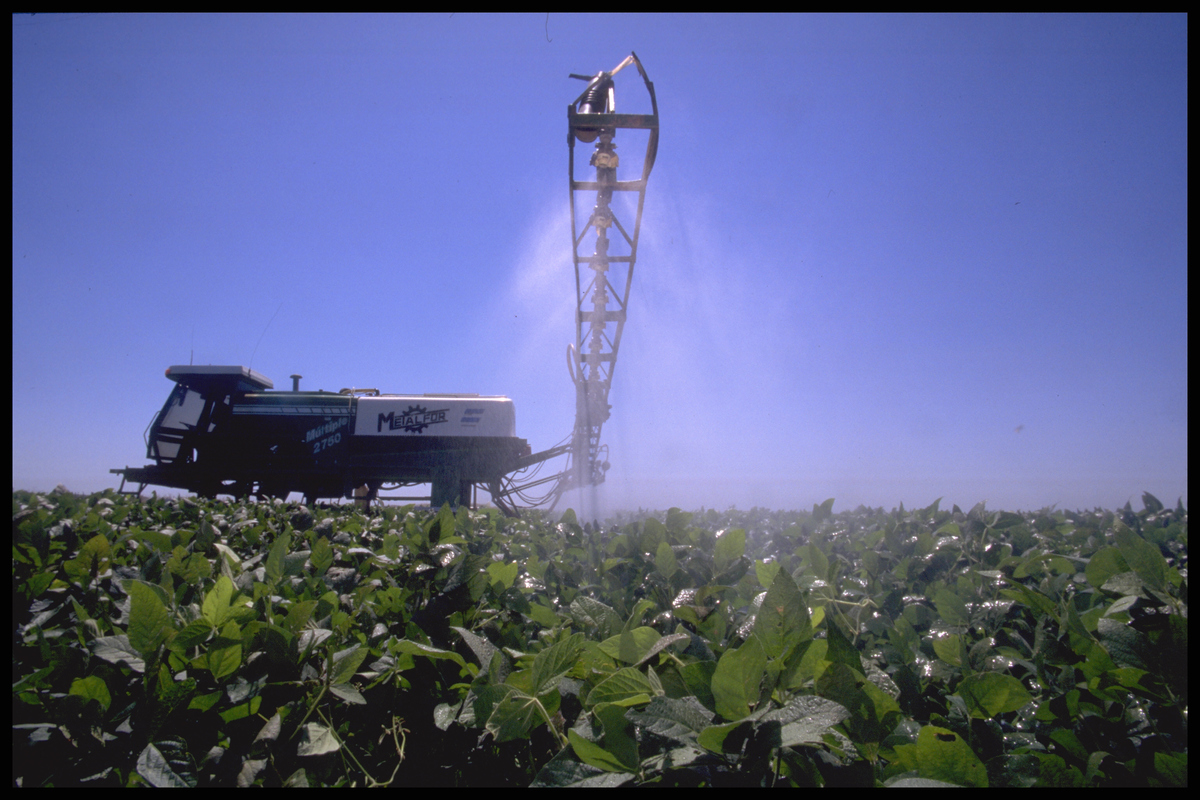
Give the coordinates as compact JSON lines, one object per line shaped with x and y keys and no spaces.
{"x":201,"y":400}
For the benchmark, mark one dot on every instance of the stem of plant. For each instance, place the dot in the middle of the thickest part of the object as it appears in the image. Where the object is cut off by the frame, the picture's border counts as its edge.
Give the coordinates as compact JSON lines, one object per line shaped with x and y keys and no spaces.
{"x":311,"y":709}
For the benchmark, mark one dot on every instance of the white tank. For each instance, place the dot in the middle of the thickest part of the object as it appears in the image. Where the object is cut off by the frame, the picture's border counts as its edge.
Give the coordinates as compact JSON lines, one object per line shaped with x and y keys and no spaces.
{"x":435,"y":415}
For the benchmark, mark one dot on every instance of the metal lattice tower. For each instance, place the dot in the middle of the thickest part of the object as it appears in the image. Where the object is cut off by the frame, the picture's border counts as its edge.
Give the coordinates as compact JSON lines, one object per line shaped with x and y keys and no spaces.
{"x":602,"y":282}
{"x":603,"y":278}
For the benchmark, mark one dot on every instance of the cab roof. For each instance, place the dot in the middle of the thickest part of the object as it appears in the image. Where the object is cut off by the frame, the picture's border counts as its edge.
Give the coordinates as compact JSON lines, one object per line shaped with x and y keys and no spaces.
{"x":235,"y":378}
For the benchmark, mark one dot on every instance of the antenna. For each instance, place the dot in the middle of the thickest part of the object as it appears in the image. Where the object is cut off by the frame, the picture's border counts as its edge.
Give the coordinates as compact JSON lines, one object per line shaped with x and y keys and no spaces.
{"x":264,"y":333}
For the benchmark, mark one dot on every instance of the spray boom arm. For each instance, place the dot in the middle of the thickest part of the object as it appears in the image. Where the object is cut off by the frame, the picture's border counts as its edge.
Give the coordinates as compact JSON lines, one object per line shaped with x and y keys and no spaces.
{"x":604,"y":252}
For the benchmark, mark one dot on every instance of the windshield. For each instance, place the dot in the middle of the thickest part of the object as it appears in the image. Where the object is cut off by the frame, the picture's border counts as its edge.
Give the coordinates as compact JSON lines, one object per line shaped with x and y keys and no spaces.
{"x":181,"y":413}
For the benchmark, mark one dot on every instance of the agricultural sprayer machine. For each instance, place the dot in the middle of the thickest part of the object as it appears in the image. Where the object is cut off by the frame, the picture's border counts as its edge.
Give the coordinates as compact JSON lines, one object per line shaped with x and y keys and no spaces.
{"x":223,"y":430}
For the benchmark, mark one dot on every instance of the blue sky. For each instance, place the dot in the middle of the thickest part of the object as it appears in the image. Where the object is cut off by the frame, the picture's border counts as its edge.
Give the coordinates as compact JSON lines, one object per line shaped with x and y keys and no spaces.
{"x":884,"y":258}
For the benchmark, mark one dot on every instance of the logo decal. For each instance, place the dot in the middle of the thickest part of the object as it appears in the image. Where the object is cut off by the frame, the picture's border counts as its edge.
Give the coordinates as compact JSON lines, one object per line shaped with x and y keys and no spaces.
{"x":330,"y":426}
{"x":414,"y":420}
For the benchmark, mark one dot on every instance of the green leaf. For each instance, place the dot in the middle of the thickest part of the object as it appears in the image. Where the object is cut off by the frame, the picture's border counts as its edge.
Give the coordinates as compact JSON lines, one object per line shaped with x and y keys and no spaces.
{"x":738,"y":677}
{"x":482,"y":648}
{"x":664,"y":560}
{"x":418,"y":649}
{"x":554,"y":662}
{"x":92,"y":559}
{"x":1032,"y":598}
{"x":818,"y":561}
{"x":224,"y":654}
{"x":166,"y":767}
{"x":216,"y":603}
{"x":627,"y":648}
{"x":1054,"y":772}
{"x":39,"y":583}
{"x":348,"y":693}
{"x":299,"y":615}
{"x":873,"y":714}
{"x":841,"y":651}
{"x":297,"y":780}
{"x":806,"y":719}
{"x":231,"y":558}
{"x":190,"y":568}
{"x":766,"y":571}
{"x":1105,"y":563}
{"x":989,"y":694}
{"x":270,"y":732}
{"x":1068,"y":741}
{"x":443,"y":524}
{"x":823,"y":511}
{"x":782,"y":621}
{"x":444,"y":715}
{"x":293,"y":564}
{"x":205,"y":702}
{"x":731,"y":545}
{"x":316,"y":740}
{"x":515,"y":716}
{"x":92,"y":688}
{"x":727,"y":738}
{"x":1006,"y":519}
{"x":482,"y":701}
{"x":951,"y":607}
{"x":698,"y":677}
{"x":841,"y":684}
{"x":951,"y":649}
{"x":631,"y":647}
{"x":619,"y":737}
{"x":1126,"y":646}
{"x":681,"y":719}
{"x":275,"y":559}
{"x":627,"y":686}
{"x":1172,"y":768}
{"x":242,"y":710}
{"x":810,"y":665}
{"x":346,"y":663}
{"x":942,"y":755}
{"x":905,"y":638}
{"x":593,"y":754}
{"x":662,"y":644}
{"x":635,"y":616}
{"x":149,"y":622}
{"x":117,"y":650}
{"x":589,"y":612}
{"x":1077,"y":633}
{"x":503,"y":575}
{"x":1143,"y":557}
{"x":542,"y":615}
{"x":156,"y":539}
{"x":1052,"y":562}
{"x":563,"y":770}
{"x":321,"y":556}
{"x":1127,"y":584}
